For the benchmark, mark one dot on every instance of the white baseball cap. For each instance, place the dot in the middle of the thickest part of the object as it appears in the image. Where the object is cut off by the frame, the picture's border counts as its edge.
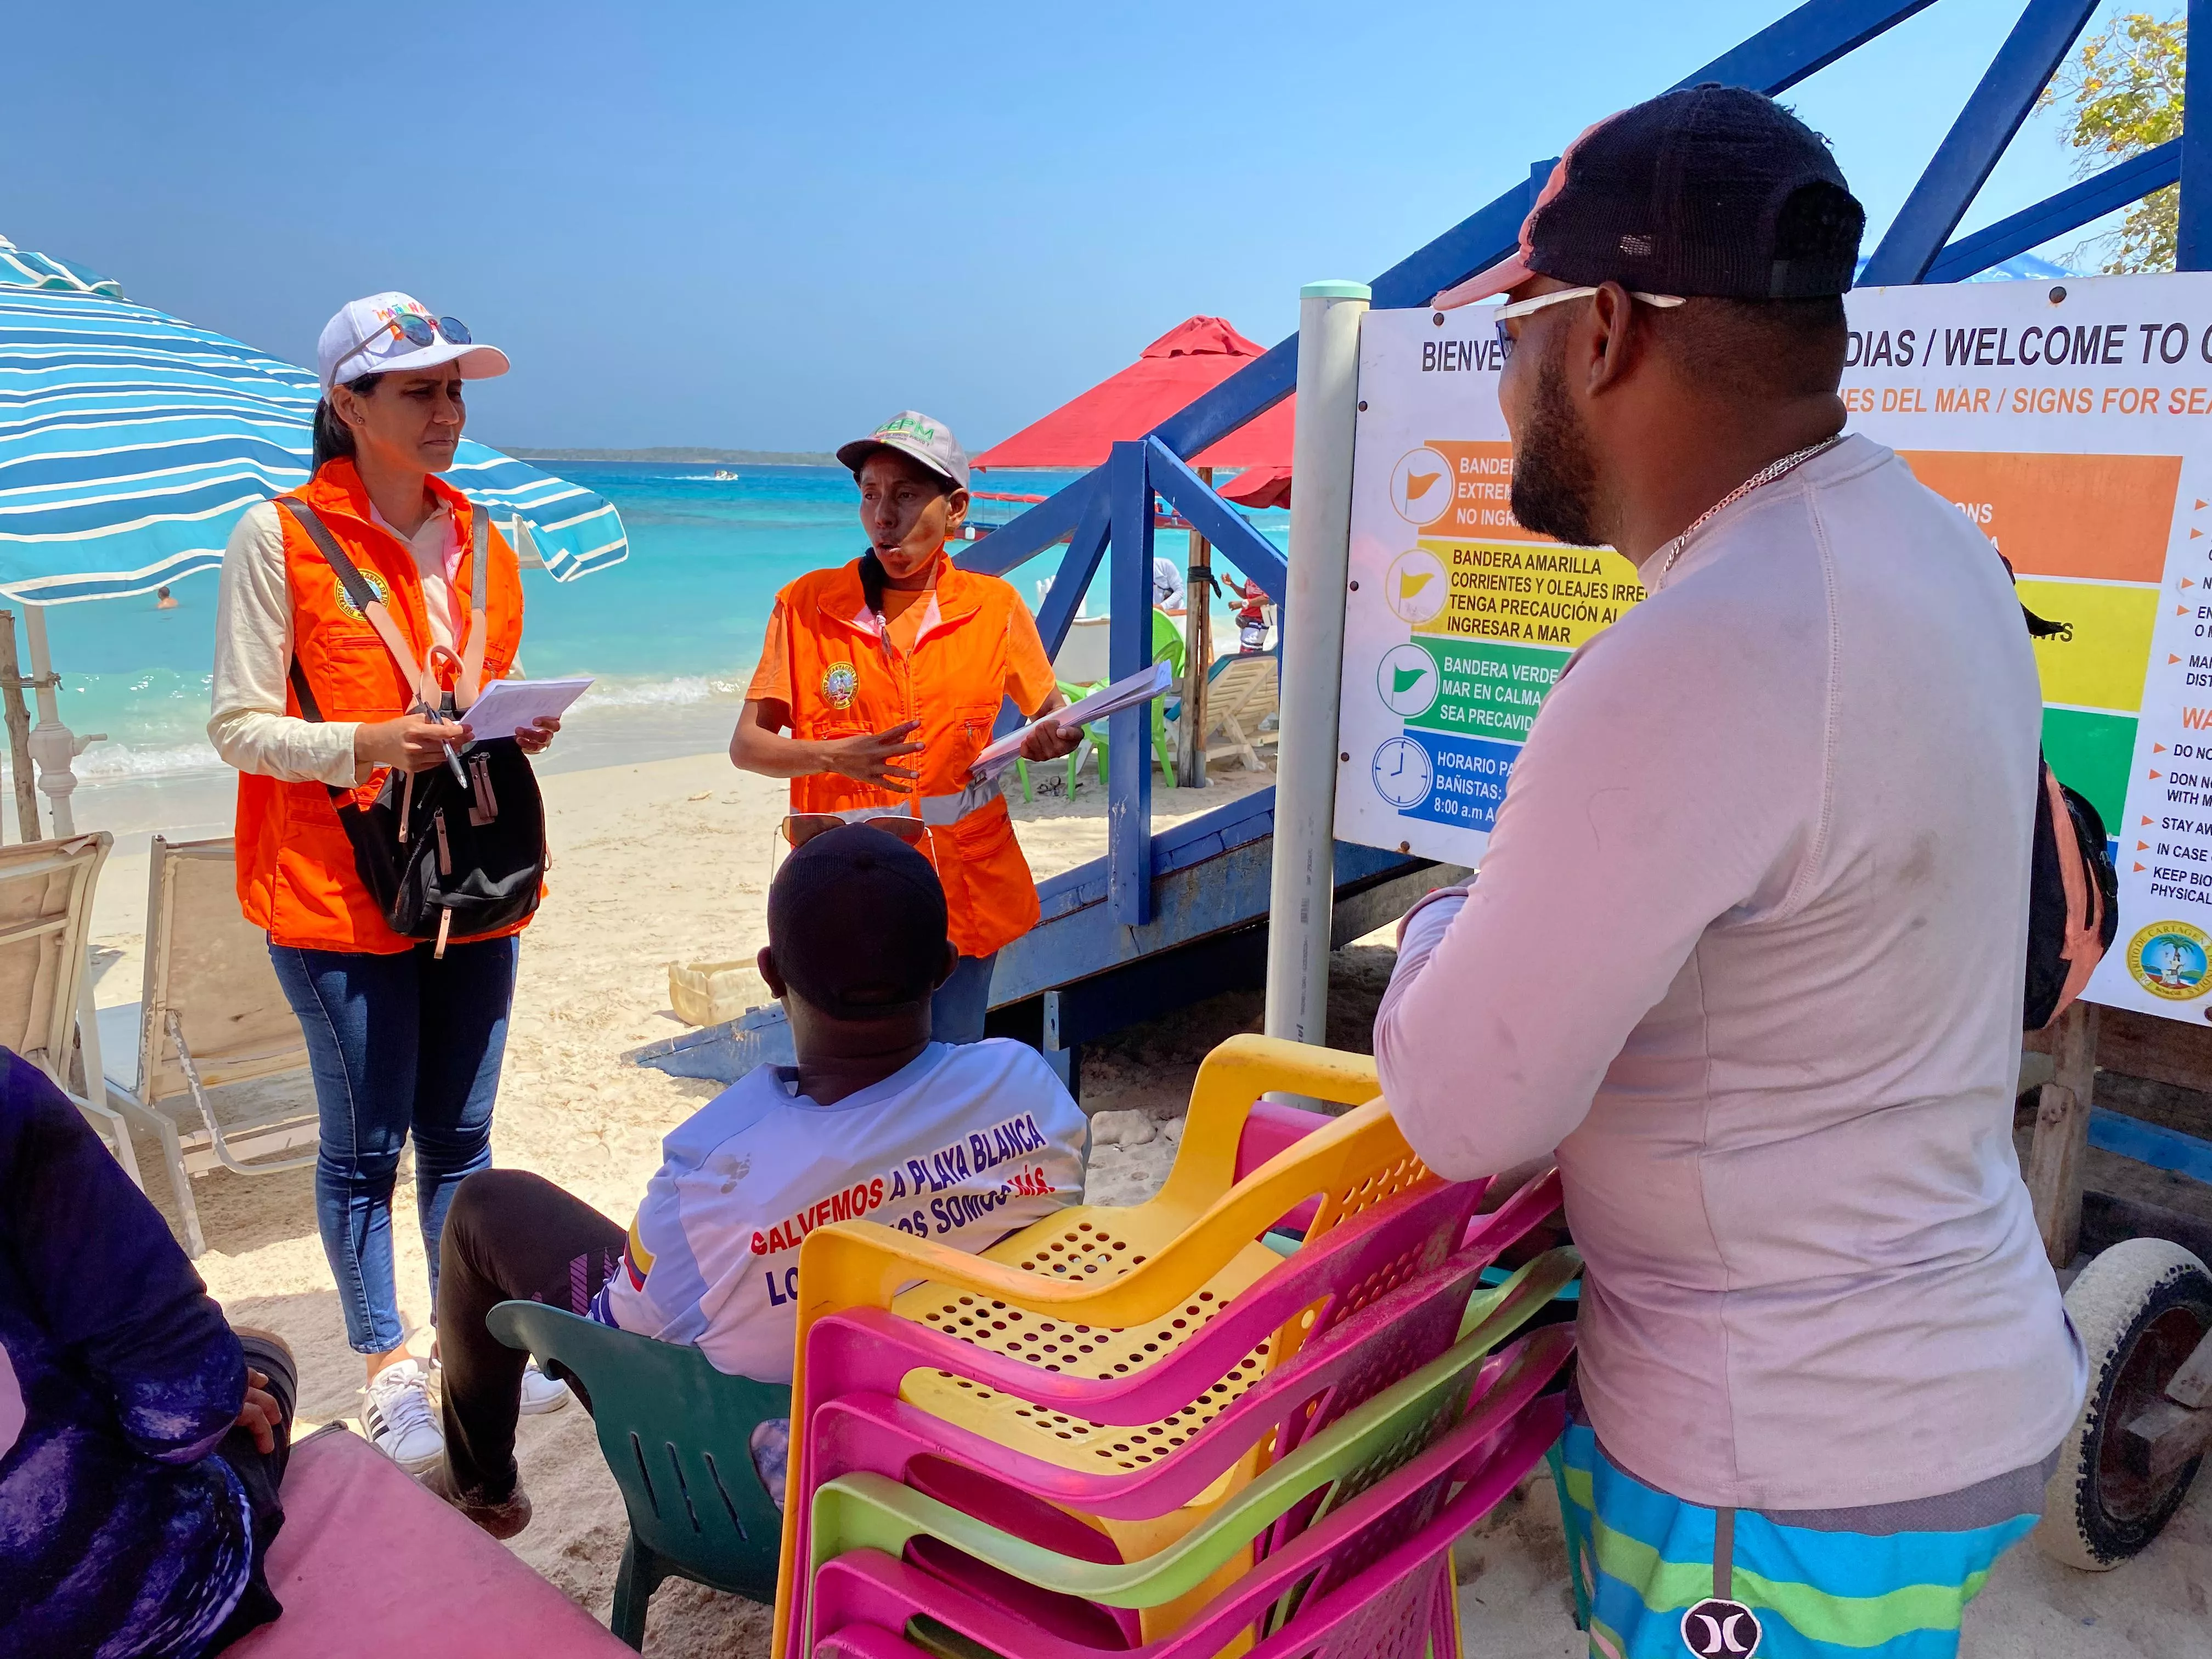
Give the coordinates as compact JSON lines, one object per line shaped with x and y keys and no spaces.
{"x":391,"y":333}
{"x":912,"y":433}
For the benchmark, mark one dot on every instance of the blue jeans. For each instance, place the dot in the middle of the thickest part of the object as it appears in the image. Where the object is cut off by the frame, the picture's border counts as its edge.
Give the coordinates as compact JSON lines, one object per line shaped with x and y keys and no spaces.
{"x":956,"y":1013}
{"x":398,"y":1043}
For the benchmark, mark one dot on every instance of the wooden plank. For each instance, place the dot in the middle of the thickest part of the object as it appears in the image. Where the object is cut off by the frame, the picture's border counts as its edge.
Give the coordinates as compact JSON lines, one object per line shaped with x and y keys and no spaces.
{"x":2061,"y":1143}
{"x":2143,"y":1045}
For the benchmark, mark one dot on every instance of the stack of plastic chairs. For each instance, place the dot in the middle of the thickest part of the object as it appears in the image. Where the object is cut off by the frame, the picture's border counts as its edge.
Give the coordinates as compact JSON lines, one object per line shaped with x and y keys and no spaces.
{"x":1085,"y":1440}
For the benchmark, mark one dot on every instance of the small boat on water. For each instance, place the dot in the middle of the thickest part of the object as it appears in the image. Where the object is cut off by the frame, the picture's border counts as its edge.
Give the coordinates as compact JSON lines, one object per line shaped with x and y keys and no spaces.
{"x":723,"y":475}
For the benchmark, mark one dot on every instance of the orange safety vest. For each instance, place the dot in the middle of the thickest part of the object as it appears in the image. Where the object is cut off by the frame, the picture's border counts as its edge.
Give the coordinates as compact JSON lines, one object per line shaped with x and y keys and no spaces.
{"x":296,"y":878}
{"x":846,"y":681}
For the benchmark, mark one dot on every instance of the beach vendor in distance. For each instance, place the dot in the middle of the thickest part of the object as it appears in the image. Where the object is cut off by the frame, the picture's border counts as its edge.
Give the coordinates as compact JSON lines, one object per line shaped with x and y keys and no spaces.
{"x":879,"y":681}
{"x":309,"y":701}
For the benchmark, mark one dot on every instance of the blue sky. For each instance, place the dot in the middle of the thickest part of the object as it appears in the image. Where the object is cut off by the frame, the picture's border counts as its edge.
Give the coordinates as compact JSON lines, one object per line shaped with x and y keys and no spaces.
{"x":752,"y":227}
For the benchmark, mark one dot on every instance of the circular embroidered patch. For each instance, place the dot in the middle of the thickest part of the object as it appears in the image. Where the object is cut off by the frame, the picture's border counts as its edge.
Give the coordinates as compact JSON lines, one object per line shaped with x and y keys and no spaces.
{"x":839,"y":681}
{"x":345,"y":599}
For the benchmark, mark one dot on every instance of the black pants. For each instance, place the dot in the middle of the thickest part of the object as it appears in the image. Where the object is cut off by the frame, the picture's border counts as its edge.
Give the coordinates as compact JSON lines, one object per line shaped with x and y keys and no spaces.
{"x":261,"y":1473}
{"x":510,"y":1236}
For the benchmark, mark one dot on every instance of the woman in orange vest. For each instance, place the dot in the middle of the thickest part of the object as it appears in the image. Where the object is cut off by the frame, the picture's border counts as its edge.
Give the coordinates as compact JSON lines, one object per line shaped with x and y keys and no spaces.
{"x":310,"y":702}
{"x":880,"y":681}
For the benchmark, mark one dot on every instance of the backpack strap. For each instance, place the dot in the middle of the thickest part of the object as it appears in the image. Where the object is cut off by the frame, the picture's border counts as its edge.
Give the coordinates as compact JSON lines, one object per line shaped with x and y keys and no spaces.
{"x":468,"y":685}
{"x":2085,"y":900}
{"x":364,"y":599}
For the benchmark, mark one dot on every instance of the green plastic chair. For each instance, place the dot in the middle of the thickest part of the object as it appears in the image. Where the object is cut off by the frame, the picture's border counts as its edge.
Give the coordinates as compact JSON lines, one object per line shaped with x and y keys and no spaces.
{"x":870,"y":1511}
{"x":676,"y":1435}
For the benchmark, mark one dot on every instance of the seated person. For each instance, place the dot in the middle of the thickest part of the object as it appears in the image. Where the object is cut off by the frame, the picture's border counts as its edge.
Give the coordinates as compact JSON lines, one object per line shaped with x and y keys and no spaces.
{"x":961,"y":1145}
{"x":141,"y":1440}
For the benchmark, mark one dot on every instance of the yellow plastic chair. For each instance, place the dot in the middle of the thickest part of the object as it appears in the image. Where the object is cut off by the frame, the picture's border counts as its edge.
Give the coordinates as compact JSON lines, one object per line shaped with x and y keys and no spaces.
{"x":1107,"y":1281}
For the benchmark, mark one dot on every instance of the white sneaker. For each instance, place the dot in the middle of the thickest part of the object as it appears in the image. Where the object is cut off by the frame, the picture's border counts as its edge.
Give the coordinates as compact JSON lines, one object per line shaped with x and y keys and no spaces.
{"x":540,"y":1392}
{"x":396,"y":1412}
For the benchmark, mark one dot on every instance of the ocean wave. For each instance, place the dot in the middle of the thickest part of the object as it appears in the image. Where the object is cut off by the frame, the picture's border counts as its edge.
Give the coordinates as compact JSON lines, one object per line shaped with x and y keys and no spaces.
{"x":114,"y":762}
{"x":609,"y":693}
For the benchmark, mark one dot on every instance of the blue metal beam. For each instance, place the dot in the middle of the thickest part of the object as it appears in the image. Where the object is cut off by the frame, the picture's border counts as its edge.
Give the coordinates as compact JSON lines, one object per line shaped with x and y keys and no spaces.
{"x":1219,"y":523}
{"x":1129,"y":649}
{"x":2193,"y":250}
{"x":1803,"y":43}
{"x":2015,"y":78}
{"x":2072,"y":208}
{"x":1046,"y":523}
{"x":1077,"y":566}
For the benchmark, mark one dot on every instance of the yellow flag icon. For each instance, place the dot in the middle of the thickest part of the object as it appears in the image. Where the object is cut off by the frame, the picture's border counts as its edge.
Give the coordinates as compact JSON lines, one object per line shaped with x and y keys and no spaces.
{"x":1410,"y":582}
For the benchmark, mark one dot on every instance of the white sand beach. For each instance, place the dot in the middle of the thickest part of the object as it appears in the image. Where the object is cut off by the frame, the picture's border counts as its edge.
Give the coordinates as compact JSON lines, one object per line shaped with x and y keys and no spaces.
{"x":668,"y":860}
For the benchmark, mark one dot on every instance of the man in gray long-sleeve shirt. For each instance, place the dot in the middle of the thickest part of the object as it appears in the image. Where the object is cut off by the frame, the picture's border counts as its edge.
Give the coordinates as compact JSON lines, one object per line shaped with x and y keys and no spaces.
{"x":1747,"y":946}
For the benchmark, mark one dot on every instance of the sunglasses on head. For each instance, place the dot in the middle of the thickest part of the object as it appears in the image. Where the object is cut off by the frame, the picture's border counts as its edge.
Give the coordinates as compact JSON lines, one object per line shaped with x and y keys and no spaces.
{"x":1504,"y":315}
{"x":416,"y":329}
{"x":799,"y":828}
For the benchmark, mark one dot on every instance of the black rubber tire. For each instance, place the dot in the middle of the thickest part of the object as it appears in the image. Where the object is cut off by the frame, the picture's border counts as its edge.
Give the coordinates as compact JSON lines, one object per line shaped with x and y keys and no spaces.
{"x":2140,"y":1308}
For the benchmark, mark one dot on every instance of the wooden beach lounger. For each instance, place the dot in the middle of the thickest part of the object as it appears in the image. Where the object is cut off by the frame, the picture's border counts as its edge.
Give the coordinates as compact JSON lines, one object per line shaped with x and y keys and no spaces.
{"x":213,"y":1014}
{"x":1240,"y":693}
{"x":45,"y":924}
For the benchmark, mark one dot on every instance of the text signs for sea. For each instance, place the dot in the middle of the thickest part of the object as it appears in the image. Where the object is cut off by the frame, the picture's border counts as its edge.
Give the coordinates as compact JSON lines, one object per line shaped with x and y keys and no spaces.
{"x":2074,"y":431}
{"x":1458,"y":620}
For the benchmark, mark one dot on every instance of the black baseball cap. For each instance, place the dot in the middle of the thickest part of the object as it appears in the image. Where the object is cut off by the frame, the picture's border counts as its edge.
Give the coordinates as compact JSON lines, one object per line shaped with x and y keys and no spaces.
{"x":856,"y":921}
{"x":1713,"y":191}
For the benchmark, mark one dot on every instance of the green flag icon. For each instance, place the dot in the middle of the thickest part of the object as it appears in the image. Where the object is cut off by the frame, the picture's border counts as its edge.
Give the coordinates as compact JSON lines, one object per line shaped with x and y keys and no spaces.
{"x":1403,"y":680}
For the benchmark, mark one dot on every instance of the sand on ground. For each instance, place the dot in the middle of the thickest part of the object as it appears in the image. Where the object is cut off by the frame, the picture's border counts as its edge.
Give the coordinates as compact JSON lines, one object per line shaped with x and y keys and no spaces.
{"x":668,"y":861}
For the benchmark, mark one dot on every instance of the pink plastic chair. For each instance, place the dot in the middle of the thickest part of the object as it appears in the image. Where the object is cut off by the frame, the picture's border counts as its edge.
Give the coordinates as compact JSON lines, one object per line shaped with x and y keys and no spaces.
{"x":1198,"y":1413}
{"x":1371,"y":1579}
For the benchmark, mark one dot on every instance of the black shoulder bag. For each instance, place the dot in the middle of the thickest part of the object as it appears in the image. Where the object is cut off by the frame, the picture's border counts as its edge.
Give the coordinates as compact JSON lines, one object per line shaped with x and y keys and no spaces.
{"x":439,"y":856}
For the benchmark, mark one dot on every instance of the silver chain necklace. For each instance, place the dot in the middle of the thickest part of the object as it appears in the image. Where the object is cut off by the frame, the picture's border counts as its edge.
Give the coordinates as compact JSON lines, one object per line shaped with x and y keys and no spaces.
{"x":1765,"y":475}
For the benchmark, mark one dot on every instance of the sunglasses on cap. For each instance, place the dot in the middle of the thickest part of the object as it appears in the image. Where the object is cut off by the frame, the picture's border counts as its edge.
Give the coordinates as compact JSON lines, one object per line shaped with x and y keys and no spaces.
{"x":416,"y":329}
{"x":1504,"y":315}
{"x":799,"y":828}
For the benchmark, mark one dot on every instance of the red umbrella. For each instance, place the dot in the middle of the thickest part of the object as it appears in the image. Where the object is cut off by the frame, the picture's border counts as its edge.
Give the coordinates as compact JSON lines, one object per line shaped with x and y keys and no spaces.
{"x":1258,"y":487}
{"x":1189,"y":360}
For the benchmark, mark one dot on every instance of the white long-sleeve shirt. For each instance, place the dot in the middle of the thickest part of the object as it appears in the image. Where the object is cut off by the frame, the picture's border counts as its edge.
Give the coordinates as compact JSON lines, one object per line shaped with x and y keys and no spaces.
{"x":249,"y":727}
{"x":1747,"y":948}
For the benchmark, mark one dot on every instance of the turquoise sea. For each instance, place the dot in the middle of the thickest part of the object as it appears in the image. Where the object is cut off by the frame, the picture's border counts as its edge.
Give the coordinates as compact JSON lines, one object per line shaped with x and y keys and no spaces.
{"x":675,"y":629}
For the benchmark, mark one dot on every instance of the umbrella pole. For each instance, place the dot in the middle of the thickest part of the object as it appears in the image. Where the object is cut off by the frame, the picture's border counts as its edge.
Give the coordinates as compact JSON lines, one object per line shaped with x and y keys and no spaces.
{"x":52,"y":745}
{"x":18,"y":718}
{"x":1197,"y":656}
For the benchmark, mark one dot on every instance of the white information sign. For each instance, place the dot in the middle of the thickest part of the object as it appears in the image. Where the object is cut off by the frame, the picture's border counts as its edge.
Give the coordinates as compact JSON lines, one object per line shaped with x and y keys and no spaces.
{"x":2071,"y":422}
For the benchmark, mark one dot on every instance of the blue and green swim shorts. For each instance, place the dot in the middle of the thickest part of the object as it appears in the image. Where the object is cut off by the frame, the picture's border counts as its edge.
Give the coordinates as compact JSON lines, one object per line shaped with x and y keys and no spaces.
{"x":1660,"y":1578}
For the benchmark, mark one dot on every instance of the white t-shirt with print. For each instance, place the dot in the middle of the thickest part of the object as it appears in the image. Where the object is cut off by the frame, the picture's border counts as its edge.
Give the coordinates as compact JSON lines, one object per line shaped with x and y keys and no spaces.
{"x":962,"y":1146}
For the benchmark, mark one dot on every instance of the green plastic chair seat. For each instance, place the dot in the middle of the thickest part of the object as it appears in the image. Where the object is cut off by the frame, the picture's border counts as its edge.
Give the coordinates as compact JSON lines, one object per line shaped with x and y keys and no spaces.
{"x":676,"y":1435}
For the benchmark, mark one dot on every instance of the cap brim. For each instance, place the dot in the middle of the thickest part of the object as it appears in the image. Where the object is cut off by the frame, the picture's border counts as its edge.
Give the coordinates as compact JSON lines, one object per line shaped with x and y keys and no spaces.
{"x":1507,"y":273}
{"x":854,"y":455}
{"x":478,"y":362}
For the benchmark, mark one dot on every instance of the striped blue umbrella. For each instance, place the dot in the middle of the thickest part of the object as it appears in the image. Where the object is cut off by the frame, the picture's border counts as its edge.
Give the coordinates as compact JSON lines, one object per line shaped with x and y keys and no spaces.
{"x":131,"y":441}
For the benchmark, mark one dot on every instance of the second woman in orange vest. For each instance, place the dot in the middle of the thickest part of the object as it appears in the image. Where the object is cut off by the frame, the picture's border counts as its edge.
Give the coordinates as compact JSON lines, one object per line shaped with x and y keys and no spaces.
{"x":310,"y":702}
{"x":880,"y":681}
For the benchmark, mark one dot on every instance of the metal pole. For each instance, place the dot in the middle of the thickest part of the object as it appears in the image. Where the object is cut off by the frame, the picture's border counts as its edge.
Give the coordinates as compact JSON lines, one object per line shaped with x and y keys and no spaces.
{"x":1305,"y":877}
{"x":52,"y":745}
{"x":1197,"y":656}
{"x":18,"y":719}
{"x":2193,"y":243}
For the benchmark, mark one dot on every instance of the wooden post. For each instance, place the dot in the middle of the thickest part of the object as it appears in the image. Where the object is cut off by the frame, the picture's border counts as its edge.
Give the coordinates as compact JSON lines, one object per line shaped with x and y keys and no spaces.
{"x":18,"y":718}
{"x":2061,"y":1145}
{"x":1197,"y":656}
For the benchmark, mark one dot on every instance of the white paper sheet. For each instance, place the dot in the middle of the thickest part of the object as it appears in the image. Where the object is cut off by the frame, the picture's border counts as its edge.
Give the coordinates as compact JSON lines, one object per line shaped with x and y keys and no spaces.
{"x":1140,"y":687}
{"x":509,"y":706}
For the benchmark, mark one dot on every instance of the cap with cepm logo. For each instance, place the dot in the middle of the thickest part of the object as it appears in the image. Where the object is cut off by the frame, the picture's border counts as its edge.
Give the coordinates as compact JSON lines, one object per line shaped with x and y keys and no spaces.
{"x":1714,"y":191}
{"x":392,"y":332}
{"x":912,"y":433}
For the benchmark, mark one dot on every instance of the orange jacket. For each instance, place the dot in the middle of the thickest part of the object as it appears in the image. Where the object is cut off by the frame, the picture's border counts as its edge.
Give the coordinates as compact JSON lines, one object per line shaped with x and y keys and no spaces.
{"x":295,"y":869}
{"x":845,"y":681}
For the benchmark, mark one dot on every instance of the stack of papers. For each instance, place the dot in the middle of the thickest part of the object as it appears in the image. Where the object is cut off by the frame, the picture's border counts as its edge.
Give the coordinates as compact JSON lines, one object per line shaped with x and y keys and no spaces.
{"x":1139,"y":688}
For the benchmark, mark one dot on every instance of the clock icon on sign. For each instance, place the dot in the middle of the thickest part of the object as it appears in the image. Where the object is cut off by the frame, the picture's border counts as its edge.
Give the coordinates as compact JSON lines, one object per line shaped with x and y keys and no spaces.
{"x":1403,"y":773}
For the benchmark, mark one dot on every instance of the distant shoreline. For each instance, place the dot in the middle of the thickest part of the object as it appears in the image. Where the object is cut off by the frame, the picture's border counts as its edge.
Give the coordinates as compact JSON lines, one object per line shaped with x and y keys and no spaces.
{"x":752,"y":457}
